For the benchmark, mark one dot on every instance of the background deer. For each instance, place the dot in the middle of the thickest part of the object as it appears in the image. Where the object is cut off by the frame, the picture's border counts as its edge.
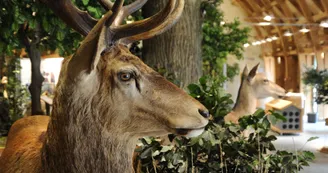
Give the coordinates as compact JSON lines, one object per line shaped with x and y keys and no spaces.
{"x":253,"y":86}
{"x":105,"y":100}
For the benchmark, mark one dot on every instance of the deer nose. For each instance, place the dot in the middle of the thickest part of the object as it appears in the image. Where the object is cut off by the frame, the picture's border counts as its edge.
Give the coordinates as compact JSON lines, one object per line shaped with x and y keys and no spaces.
{"x":204,"y":113}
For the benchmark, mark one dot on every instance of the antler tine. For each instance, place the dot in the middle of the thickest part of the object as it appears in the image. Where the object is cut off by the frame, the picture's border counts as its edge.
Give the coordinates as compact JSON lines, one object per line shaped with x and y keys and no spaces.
{"x":133,"y":7}
{"x":167,"y":24}
{"x":116,"y":10}
{"x":145,"y":25}
{"x":106,"y":4}
{"x":128,"y":10}
{"x":77,"y":19}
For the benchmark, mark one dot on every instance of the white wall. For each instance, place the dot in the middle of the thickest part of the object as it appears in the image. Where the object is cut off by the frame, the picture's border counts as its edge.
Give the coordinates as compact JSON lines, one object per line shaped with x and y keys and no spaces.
{"x":49,"y":65}
{"x":251,"y":54}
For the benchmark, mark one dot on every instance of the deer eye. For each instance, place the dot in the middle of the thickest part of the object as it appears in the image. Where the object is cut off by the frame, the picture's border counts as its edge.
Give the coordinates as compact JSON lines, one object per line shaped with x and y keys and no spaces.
{"x":125,"y":76}
{"x":265,"y":80}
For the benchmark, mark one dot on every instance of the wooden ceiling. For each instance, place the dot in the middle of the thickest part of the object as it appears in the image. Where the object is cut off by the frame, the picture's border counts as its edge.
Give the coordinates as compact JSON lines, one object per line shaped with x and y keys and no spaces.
{"x":288,"y":15}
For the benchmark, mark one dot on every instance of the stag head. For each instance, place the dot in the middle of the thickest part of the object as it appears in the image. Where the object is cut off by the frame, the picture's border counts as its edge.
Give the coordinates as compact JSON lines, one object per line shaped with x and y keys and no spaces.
{"x":126,"y":95}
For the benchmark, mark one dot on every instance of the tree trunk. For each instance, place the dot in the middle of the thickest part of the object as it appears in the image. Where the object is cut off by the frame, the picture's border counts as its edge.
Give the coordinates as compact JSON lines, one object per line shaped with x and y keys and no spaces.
{"x":2,"y":64}
{"x":37,"y":78}
{"x":179,"y":49}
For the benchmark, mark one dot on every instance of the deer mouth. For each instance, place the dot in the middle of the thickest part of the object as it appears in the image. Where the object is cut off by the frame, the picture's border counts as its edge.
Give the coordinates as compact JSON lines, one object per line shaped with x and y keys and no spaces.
{"x":189,"y":132}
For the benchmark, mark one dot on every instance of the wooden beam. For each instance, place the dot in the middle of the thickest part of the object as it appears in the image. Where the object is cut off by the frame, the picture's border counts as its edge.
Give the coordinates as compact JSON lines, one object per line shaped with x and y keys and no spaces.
{"x":267,"y":6}
{"x":320,"y":16}
{"x":244,"y":7}
{"x":295,"y":30}
{"x":307,"y":14}
{"x":255,"y":6}
{"x":283,"y":43}
{"x":248,"y":12}
{"x":315,"y":6}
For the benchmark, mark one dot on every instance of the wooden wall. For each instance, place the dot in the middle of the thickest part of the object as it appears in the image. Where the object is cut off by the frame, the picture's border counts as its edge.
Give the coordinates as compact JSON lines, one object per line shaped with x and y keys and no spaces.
{"x":280,"y":71}
{"x":288,"y":73}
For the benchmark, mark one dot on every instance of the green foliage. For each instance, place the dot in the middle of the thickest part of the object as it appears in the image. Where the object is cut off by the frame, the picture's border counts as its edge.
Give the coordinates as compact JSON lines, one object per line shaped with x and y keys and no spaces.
{"x":17,"y":94}
{"x":319,"y":80}
{"x":26,"y":19}
{"x":314,"y":77}
{"x":220,"y":40}
{"x":5,"y":122}
{"x":20,"y":19}
{"x":209,"y":92}
{"x":246,"y":147}
{"x":169,"y":76}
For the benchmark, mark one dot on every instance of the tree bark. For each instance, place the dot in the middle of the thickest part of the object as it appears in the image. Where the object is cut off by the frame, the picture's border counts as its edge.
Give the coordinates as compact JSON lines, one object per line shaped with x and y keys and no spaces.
{"x":179,"y":49}
{"x":37,"y":78}
{"x":2,"y":64}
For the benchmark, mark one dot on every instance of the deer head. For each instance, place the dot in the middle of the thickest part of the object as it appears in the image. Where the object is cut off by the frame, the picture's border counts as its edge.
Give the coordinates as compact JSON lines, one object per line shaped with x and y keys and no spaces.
{"x":260,"y":85}
{"x":106,"y":82}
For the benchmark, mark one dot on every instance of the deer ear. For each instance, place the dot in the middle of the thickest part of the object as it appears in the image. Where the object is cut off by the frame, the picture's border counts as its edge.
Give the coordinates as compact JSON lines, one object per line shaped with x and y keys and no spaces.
{"x":252,"y":73}
{"x":245,"y":71}
{"x":87,"y":55}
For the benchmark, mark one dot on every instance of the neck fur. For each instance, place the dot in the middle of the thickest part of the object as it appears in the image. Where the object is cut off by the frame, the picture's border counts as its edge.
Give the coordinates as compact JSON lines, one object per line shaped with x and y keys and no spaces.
{"x":78,"y":141}
{"x":246,"y":100}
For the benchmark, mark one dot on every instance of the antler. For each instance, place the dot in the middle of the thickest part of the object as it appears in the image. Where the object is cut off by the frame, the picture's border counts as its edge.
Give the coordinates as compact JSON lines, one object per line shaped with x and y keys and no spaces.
{"x":82,"y":22}
{"x":105,"y":32}
{"x":77,"y":19}
{"x":162,"y":27}
{"x":126,"y":10}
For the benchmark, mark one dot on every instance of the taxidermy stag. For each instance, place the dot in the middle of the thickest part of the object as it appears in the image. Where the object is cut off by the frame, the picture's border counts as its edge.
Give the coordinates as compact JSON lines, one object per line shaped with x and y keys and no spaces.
{"x":105,"y":100}
{"x":253,"y":86}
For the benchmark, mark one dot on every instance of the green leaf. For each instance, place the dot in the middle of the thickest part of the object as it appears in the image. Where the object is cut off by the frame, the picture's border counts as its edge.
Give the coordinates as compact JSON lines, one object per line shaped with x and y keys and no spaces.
{"x":278,"y":116}
{"x":146,"y":153}
{"x":312,"y":138}
{"x":259,"y":113}
{"x":201,"y":142}
{"x":166,"y":148}
{"x":60,"y":35}
{"x":156,"y":153}
{"x":202,"y":80}
{"x":194,"y":140}
{"x":85,"y":2}
{"x":148,"y":140}
{"x":45,"y":25}
{"x":193,"y":88}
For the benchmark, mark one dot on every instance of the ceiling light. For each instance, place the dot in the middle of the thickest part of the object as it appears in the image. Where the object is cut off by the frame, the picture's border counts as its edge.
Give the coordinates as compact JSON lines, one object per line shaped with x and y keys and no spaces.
{"x":246,"y":45}
{"x":279,"y":60}
{"x":304,"y":30}
{"x":264,"y":23}
{"x":263,"y":41}
{"x":274,"y":38}
{"x":267,"y":18}
{"x":254,"y":43}
{"x":222,"y":22}
{"x":288,"y":34}
{"x":269,"y":39}
{"x":324,"y":24}
{"x":322,"y":55}
{"x":258,"y":42}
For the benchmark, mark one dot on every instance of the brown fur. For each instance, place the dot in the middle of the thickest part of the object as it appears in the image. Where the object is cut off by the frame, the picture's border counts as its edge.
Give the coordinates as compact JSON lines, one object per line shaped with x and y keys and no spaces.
{"x":97,"y":119}
{"x":24,"y":141}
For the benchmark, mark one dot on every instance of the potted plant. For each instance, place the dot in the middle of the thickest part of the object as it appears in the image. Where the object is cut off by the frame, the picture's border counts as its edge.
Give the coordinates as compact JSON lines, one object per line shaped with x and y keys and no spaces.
{"x":318,"y":82}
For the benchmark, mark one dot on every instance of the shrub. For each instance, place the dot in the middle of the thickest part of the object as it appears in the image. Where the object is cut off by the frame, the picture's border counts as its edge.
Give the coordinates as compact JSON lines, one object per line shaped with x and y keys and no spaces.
{"x":222,"y":147}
